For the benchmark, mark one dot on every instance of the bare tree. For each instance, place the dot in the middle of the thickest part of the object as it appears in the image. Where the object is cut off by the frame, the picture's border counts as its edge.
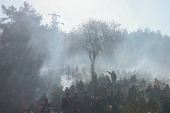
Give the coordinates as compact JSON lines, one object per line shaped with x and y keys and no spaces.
{"x":95,"y":37}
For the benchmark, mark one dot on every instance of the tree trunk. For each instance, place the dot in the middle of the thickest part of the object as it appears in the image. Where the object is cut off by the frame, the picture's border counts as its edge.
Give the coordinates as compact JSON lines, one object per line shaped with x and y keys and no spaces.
{"x":93,"y":74}
{"x":92,"y":57}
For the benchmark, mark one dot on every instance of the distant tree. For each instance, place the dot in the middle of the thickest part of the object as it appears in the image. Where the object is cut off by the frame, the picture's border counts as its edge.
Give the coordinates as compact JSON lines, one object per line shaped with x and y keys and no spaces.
{"x":147,"y":50}
{"x":95,"y":37}
{"x":23,"y":42}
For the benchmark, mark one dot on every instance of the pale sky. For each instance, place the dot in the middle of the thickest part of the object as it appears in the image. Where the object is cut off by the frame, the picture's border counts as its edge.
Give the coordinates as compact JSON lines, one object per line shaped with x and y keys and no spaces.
{"x":131,"y":14}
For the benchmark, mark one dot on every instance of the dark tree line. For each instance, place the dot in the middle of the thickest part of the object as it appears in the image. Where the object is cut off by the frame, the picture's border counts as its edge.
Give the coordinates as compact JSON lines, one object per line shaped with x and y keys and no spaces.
{"x":23,"y":42}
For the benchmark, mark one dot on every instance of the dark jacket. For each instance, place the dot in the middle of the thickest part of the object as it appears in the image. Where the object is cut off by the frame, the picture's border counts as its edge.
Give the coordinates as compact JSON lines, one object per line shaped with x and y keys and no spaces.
{"x":166,"y":106}
{"x":66,"y":103}
{"x":46,"y":107}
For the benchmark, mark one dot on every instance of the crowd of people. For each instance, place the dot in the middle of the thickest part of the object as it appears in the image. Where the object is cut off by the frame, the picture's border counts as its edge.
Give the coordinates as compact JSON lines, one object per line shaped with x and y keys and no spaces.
{"x":111,"y":92}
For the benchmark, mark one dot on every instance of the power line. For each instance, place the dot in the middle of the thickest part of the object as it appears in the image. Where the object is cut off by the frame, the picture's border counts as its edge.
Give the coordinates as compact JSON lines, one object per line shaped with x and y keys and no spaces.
{"x":54,"y":20}
{"x":69,"y":19}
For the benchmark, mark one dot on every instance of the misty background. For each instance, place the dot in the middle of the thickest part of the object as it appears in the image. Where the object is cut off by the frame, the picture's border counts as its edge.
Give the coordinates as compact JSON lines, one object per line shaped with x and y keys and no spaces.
{"x":29,"y":46}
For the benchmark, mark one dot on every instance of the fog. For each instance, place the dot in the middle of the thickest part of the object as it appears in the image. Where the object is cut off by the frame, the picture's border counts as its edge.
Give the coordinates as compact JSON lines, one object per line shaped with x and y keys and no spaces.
{"x":115,"y":52}
{"x":45,"y":54}
{"x":143,"y":50}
